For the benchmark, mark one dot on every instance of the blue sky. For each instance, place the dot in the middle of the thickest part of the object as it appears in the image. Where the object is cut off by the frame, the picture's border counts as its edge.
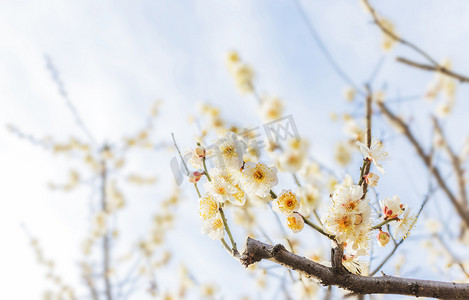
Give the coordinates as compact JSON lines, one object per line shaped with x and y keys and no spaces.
{"x":117,"y":57}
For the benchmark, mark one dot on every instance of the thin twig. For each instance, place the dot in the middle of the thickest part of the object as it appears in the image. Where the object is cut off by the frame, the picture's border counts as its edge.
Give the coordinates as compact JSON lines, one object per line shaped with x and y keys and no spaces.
{"x":60,"y":85}
{"x":106,"y":258}
{"x":434,"y":65}
{"x":397,"y":244}
{"x":392,"y":35}
{"x":457,"y":166}
{"x":438,"y":69}
{"x":462,"y":211}
{"x":323,"y":48}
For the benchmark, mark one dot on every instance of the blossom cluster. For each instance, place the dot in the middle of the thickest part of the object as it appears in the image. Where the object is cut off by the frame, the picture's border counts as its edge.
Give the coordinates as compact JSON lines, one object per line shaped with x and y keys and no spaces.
{"x":238,"y":179}
{"x":232,"y":181}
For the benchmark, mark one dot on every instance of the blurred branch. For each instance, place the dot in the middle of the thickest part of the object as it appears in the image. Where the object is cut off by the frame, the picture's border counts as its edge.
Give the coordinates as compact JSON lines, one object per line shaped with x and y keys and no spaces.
{"x":60,"y":85}
{"x":323,"y":48}
{"x":89,"y":282}
{"x":450,"y":253}
{"x":437,"y":68}
{"x":107,"y":282}
{"x":397,"y":244}
{"x":457,"y":166}
{"x":427,"y":160}
{"x":392,"y":35}
{"x":434,"y":65}
{"x":257,"y":251}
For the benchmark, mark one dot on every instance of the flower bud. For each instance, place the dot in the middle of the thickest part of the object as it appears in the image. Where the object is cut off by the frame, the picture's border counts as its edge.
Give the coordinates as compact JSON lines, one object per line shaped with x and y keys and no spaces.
{"x":295,"y":222}
{"x":383,"y":238}
{"x":199,"y":151}
{"x":195,"y":176}
{"x":372,"y":179}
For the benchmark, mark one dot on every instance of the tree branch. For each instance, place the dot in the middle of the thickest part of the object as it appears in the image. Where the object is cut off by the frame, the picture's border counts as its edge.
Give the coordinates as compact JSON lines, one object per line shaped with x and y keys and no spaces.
{"x":434,"y":65}
{"x":107,"y":283}
{"x":431,"y":68}
{"x":256,"y":251}
{"x":462,"y":211}
{"x":457,"y":166}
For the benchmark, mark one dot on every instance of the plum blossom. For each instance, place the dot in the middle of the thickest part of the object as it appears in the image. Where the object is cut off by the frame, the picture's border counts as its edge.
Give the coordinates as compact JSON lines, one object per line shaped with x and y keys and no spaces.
{"x":258,"y":178}
{"x":376,"y":153}
{"x":286,"y":203}
{"x":392,"y":207}
{"x":295,"y":222}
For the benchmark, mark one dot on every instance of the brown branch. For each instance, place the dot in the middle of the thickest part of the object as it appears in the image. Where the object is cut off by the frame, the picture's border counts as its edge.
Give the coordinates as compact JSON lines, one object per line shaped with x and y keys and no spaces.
{"x":462,"y":211}
{"x":256,"y":251}
{"x":365,"y":169}
{"x":457,"y":166}
{"x":436,"y":68}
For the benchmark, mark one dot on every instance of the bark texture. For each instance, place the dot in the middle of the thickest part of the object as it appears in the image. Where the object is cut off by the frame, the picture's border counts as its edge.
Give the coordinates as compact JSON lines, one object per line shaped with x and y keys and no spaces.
{"x":257,"y":251}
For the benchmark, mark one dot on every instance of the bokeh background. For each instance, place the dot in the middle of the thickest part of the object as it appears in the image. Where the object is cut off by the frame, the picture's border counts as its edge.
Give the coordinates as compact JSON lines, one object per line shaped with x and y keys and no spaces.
{"x":116,"y":58}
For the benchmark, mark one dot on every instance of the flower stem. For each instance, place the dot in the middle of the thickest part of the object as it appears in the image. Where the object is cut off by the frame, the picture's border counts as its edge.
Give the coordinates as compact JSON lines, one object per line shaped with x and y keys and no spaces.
{"x":378,"y":226}
{"x":317,"y":228}
{"x":315,"y":212}
{"x":197,"y":189}
{"x":228,"y":231}
{"x":273,"y":195}
{"x":205,"y":168}
{"x":225,"y":245}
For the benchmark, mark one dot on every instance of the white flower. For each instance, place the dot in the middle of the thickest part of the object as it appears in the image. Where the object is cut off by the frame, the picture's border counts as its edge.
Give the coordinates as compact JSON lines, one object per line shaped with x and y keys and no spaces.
{"x":404,"y":225}
{"x":208,"y":207}
{"x":376,"y":153}
{"x":271,"y":109}
{"x":348,"y":198}
{"x":354,"y":265}
{"x":226,"y":184}
{"x":239,"y":197}
{"x":392,"y":207}
{"x":343,"y":153}
{"x":258,"y":178}
{"x":214,"y":228}
{"x":348,"y":217}
{"x":433,"y":226}
{"x":196,"y":161}
{"x":291,"y":160}
{"x":232,"y":176}
{"x":310,"y":198}
{"x":352,"y":129}
{"x":286,"y":203}
{"x":220,"y":188}
{"x":295,"y":222}
{"x":349,"y":94}
{"x":230,"y":151}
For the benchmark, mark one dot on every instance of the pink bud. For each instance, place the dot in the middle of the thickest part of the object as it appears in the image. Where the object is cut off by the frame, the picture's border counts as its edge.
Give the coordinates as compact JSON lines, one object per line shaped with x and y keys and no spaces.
{"x":195,"y":176}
